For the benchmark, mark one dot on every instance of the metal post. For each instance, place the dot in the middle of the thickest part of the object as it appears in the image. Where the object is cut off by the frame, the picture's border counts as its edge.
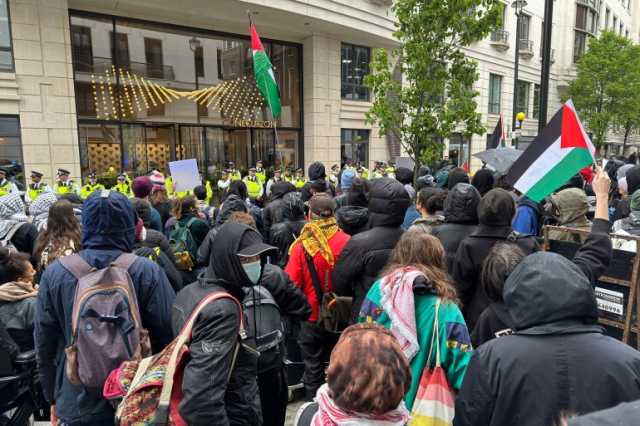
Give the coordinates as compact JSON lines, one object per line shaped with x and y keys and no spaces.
{"x":546,"y":65}
{"x":195,"y":68}
{"x":515,"y":72}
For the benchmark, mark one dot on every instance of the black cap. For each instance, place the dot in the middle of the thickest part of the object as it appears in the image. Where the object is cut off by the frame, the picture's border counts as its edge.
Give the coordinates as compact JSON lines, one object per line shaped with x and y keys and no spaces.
{"x":3,"y":170}
{"x":122,"y":176}
{"x":92,"y":174}
{"x":253,"y":169}
{"x":62,"y":172}
{"x":36,"y":174}
{"x":253,"y":245}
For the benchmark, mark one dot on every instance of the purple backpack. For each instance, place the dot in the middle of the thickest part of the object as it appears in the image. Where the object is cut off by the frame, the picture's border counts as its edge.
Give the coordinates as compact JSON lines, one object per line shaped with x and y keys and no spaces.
{"x":106,"y":327}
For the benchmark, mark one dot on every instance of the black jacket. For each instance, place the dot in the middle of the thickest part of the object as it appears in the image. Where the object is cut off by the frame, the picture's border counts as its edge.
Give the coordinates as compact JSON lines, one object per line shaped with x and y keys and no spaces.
{"x":352,"y":219}
{"x":274,"y":211}
{"x":461,"y":216}
{"x":366,"y":254}
{"x":232,"y":204}
{"x":494,"y":319}
{"x":234,"y":399}
{"x":625,"y":414}
{"x":18,"y":318}
{"x":467,"y":266}
{"x":559,"y":360}
{"x":290,"y":299}
{"x":25,"y":237}
{"x":282,"y":236}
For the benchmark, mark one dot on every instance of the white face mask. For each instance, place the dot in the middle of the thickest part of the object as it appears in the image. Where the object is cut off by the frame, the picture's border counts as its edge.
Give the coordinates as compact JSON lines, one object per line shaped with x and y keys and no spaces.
{"x":253,"y":270}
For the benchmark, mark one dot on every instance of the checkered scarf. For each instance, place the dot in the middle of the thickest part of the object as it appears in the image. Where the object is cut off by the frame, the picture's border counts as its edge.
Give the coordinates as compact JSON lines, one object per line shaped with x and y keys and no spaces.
{"x":11,"y":212}
{"x":39,"y":209}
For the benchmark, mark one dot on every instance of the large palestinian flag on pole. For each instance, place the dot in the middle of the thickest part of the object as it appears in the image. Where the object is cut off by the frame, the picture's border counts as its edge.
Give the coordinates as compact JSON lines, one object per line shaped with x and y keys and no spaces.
{"x":558,"y":153}
{"x":263,"y":72}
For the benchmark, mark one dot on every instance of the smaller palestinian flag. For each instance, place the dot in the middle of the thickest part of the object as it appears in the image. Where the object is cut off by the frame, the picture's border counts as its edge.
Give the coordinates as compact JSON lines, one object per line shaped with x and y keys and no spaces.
{"x":498,"y":137}
{"x":263,"y":72}
{"x":558,"y":153}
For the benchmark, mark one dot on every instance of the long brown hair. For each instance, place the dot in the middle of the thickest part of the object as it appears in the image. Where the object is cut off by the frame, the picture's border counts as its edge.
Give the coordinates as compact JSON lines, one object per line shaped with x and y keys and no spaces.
{"x":62,"y":227}
{"x":425,"y":253}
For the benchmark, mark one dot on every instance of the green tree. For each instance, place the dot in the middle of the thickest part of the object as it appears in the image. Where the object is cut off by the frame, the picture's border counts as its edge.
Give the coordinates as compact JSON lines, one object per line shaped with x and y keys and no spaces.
{"x":606,"y":86}
{"x":435,"y":97}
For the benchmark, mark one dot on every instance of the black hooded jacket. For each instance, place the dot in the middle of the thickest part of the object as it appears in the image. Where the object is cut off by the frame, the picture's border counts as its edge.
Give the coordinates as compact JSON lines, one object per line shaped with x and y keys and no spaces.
{"x":283,"y":234}
{"x":559,"y":360}
{"x":623,"y":208}
{"x":366,"y":253}
{"x":352,"y":219}
{"x":274,"y":211}
{"x":214,"y":337}
{"x":461,"y":219}
{"x":625,"y":414}
{"x":232,"y":204}
{"x":483,"y":181}
{"x":317,"y":174}
{"x":495,"y":211}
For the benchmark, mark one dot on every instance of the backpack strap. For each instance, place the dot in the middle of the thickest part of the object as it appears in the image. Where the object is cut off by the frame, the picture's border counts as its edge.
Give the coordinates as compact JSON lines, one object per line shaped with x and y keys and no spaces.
{"x":190,"y":222}
{"x":76,"y":265}
{"x":315,"y":279}
{"x":162,"y":412}
{"x":125,"y":260}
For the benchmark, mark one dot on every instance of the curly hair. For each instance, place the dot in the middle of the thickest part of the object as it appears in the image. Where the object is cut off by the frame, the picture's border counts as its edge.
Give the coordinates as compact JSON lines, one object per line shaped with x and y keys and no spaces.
{"x":425,"y":253}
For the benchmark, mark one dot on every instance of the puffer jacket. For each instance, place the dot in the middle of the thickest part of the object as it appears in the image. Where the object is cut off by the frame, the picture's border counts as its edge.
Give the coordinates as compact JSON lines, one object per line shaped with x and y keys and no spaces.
{"x":559,"y":360}
{"x":108,"y":230}
{"x":494,"y":213}
{"x":274,"y":211}
{"x":229,"y":398}
{"x":571,"y":206}
{"x":366,"y":254}
{"x":461,"y":219}
{"x":352,"y":219}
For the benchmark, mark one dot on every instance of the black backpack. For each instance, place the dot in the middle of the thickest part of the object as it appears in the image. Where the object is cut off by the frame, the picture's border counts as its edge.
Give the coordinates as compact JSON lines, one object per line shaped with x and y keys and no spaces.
{"x":264,"y":327}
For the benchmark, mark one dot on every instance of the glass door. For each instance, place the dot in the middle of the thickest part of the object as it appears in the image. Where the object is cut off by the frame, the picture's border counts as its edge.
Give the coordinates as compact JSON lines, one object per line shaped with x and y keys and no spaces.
{"x":192,"y":145}
{"x":264,"y":147}
{"x":237,"y":148}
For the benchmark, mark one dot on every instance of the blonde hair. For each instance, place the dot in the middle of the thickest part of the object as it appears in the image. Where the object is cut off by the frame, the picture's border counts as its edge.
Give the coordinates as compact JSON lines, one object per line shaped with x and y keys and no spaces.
{"x":424,"y":252}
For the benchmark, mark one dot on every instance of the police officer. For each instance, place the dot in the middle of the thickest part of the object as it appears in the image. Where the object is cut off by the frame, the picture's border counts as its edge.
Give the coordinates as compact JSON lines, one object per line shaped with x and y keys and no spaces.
{"x":122,"y":186}
{"x":334,"y":175}
{"x":277,"y":177}
{"x":379,"y":171}
{"x":91,"y":186}
{"x":225,"y":180}
{"x":299,"y":180}
{"x":6,"y":186}
{"x":235,"y":173}
{"x":288,"y":176}
{"x":260,"y":172}
{"x":36,"y":187}
{"x":64,"y":185}
{"x":254,"y":185}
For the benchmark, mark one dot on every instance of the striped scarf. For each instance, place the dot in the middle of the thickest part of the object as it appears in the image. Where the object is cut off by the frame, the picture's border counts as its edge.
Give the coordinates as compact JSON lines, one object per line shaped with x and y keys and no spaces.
{"x":315,"y":238}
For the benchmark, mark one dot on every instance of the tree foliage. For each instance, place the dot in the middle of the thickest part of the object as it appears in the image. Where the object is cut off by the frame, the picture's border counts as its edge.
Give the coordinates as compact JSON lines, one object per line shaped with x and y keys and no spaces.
{"x":606,"y":87}
{"x":435,"y":97}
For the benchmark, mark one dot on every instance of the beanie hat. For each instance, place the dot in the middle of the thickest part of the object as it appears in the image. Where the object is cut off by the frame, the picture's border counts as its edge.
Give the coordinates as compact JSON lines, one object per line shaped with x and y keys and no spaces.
{"x":142,"y":186}
{"x":347,"y":179}
{"x":316,"y":171}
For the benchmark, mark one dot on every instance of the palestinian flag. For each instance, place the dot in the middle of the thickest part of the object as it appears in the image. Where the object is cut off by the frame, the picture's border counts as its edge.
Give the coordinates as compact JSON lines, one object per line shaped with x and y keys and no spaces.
{"x":263,"y":72}
{"x":498,"y":136}
{"x":558,"y":153}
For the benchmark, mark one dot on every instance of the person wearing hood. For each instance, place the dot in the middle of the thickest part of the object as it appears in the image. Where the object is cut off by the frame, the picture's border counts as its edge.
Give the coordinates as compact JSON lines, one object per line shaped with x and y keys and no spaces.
{"x":318,"y":176}
{"x":405,"y":177}
{"x":429,"y":204}
{"x":483,"y":181}
{"x":495,"y":213}
{"x":284,"y":233}
{"x":367,"y":253}
{"x":456,"y":176}
{"x":528,"y":217}
{"x":622,"y":208}
{"x":13,"y":220}
{"x":239,"y":189}
{"x":231,"y":204}
{"x":625,"y":414}
{"x":274,"y":211}
{"x":321,"y":244}
{"x":570,"y":207}
{"x":353,"y":219}
{"x":461,"y":219}
{"x":230,"y":394}
{"x":348,"y":176}
{"x":559,"y":359}
{"x":108,"y":231}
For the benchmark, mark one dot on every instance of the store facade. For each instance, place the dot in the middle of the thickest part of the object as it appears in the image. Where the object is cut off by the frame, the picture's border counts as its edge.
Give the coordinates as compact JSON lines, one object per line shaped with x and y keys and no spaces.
{"x":122,"y":65}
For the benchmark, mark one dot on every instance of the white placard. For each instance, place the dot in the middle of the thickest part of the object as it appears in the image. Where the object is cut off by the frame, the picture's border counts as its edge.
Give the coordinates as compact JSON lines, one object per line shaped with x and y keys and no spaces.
{"x":185,"y":174}
{"x":610,"y":301}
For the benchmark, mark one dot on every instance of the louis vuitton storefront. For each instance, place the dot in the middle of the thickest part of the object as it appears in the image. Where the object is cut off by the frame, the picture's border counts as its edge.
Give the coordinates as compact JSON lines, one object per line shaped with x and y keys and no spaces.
{"x":149,"y":93}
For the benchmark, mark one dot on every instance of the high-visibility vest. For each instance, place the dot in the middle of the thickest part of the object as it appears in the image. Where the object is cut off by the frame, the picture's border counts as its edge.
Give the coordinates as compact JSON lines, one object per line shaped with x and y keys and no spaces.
{"x":168,"y":185}
{"x":207,"y":186}
{"x":34,"y":193}
{"x":236,"y":176}
{"x":123,"y":188}
{"x":5,"y":188}
{"x":262,"y":176}
{"x":254,"y":187}
{"x":62,"y":189}
{"x":89,"y":189}
{"x":299,"y":183}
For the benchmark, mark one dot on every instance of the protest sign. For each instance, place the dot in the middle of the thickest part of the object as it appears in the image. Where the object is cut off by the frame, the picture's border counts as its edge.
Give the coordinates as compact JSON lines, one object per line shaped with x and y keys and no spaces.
{"x":185,"y":174}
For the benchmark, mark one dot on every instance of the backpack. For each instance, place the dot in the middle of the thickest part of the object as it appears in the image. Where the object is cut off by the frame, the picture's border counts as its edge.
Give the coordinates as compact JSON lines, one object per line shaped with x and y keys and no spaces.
{"x":183,"y":245}
{"x":6,"y":240}
{"x":151,"y":389}
{"x":264,"y":326}
{"x":106,"y":328}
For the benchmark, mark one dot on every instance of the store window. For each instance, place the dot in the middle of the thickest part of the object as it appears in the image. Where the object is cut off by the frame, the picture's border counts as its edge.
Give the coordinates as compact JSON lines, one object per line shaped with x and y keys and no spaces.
{"x":536,"y":101}
{"x":495,"y":93}
{"x":6,"y":50}
{"x":522,"y":97}
{"x":11,"y":148}
{"x":354,"y":146}
{"x":355,"y":67}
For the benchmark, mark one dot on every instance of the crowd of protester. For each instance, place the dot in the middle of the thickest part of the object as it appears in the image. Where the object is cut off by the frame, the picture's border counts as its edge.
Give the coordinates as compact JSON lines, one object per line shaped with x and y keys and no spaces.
{"x":388,"y":275}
